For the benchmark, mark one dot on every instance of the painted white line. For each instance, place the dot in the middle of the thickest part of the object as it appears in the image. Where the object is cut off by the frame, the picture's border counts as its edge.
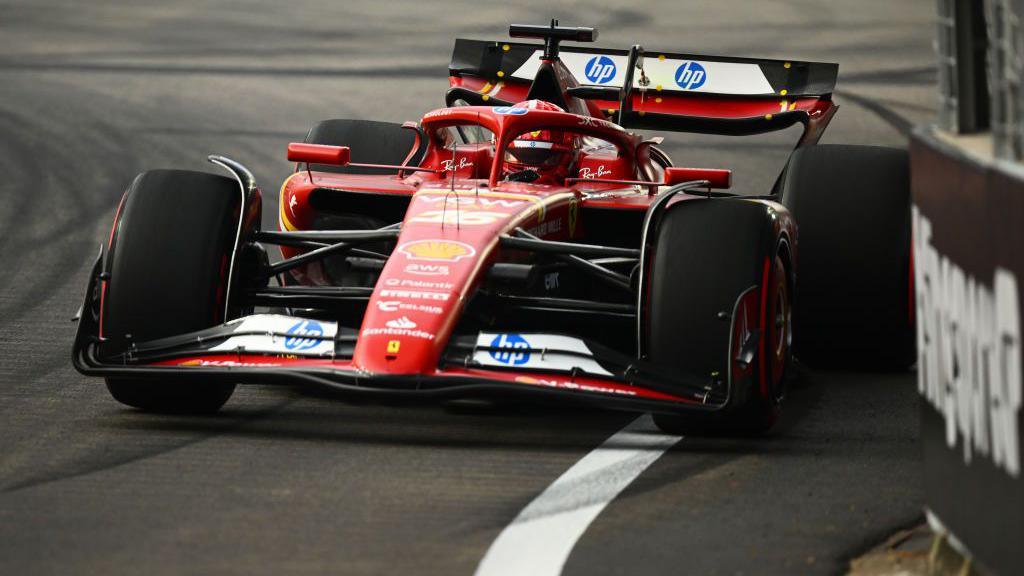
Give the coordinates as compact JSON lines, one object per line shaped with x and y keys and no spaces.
{"x":539,"y":540}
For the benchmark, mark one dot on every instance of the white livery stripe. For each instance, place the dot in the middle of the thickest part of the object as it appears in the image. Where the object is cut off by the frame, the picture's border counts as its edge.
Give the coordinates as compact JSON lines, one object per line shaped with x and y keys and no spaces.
{"x":537,"y":351}
{"x":277,"y":334}
{"x":673,"y":74}
{"x":539,"y":540}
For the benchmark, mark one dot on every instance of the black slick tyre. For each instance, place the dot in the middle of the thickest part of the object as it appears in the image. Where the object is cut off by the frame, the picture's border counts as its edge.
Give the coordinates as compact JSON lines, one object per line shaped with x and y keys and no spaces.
{"x":169,"y":256}
{"x":372,"y":142}
{"x":719,"y":285}
{"x":854,"y":296}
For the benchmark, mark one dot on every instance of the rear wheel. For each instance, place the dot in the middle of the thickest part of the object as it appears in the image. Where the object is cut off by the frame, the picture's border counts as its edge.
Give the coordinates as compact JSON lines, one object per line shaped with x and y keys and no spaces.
{"x":719,"y":309}
{"x":169,"y":258}
{"x":372,"y":143}
{"x":854,"y":305}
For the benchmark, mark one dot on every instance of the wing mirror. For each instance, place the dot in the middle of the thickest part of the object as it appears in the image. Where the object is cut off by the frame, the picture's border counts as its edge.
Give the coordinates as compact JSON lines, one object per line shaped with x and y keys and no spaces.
{"x":721,"y":179}
{"x":318,"y":154}
{"x":341,"y":156}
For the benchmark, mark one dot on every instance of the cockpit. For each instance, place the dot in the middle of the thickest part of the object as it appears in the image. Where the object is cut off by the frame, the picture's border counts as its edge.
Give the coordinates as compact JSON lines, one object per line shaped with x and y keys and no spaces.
{"x":557,"y":149}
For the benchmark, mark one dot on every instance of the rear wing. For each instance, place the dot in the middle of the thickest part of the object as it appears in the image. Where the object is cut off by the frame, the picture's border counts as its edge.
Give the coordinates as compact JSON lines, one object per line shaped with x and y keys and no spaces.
{"x":661,"y":90}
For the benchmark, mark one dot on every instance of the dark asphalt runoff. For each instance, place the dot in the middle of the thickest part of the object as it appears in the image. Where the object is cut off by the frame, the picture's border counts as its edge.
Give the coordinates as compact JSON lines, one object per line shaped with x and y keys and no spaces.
{"x":285,"y":482}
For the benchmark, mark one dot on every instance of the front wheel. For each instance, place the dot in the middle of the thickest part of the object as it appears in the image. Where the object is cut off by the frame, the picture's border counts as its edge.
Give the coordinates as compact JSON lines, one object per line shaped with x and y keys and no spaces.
{"x":169,"y":259}
{"x":720,"y":309}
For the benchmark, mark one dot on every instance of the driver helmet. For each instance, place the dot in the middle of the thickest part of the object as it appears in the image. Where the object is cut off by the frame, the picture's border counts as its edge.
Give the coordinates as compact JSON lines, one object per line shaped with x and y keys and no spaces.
{"x":549,"y":153}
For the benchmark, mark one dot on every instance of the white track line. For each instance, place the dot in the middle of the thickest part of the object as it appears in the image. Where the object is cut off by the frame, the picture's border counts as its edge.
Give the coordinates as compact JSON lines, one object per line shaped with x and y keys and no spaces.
{"x":539,"y":540}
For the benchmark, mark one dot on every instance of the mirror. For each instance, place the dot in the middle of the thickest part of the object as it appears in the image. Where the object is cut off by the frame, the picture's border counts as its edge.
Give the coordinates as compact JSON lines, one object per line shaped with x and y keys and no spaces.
{"x":721,"y":179}
{"x":318,"y":154}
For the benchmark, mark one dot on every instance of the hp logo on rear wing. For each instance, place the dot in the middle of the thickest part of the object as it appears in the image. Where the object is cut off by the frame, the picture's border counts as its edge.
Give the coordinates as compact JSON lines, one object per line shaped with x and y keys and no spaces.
{"x":600,"y":70}
{"x":690,"y":75}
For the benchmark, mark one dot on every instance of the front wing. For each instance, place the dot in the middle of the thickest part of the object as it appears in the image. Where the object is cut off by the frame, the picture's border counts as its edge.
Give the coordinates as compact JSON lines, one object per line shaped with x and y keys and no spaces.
{"x":276,"y":349}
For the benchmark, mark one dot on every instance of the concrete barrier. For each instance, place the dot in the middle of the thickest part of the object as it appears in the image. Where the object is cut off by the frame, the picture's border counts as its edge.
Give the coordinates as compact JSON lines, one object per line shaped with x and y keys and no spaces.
{"x":968,"y":236}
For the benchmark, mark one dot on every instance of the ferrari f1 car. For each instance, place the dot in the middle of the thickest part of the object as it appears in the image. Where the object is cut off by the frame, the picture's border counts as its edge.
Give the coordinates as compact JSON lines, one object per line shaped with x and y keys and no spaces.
{"x":521,"y":241}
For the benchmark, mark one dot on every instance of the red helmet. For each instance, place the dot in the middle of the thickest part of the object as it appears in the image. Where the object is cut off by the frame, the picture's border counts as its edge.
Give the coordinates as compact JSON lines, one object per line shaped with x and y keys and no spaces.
{"x":546,"y":152}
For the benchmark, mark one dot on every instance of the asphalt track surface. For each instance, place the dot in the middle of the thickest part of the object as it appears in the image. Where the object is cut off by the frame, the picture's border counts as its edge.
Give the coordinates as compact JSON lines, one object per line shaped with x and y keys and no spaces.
{"x":283,"y":481}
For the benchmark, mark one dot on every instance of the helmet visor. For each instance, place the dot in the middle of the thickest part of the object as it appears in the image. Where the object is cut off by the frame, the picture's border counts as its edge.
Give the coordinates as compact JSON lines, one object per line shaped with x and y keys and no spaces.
{"x":534,"y":153}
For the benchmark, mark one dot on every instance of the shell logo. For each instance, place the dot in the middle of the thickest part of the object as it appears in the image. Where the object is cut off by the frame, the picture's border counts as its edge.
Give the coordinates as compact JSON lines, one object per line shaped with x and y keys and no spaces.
{"x":437,"y":250}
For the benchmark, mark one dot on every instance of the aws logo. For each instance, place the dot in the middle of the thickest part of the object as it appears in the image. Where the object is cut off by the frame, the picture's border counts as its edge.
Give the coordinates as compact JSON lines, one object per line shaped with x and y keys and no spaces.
{"x":600,"y":70}
{"x":428,"y":269}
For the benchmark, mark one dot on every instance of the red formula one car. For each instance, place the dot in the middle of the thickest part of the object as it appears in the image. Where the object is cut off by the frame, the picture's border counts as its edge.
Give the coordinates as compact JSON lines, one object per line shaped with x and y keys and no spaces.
{"x":520,"y":242}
